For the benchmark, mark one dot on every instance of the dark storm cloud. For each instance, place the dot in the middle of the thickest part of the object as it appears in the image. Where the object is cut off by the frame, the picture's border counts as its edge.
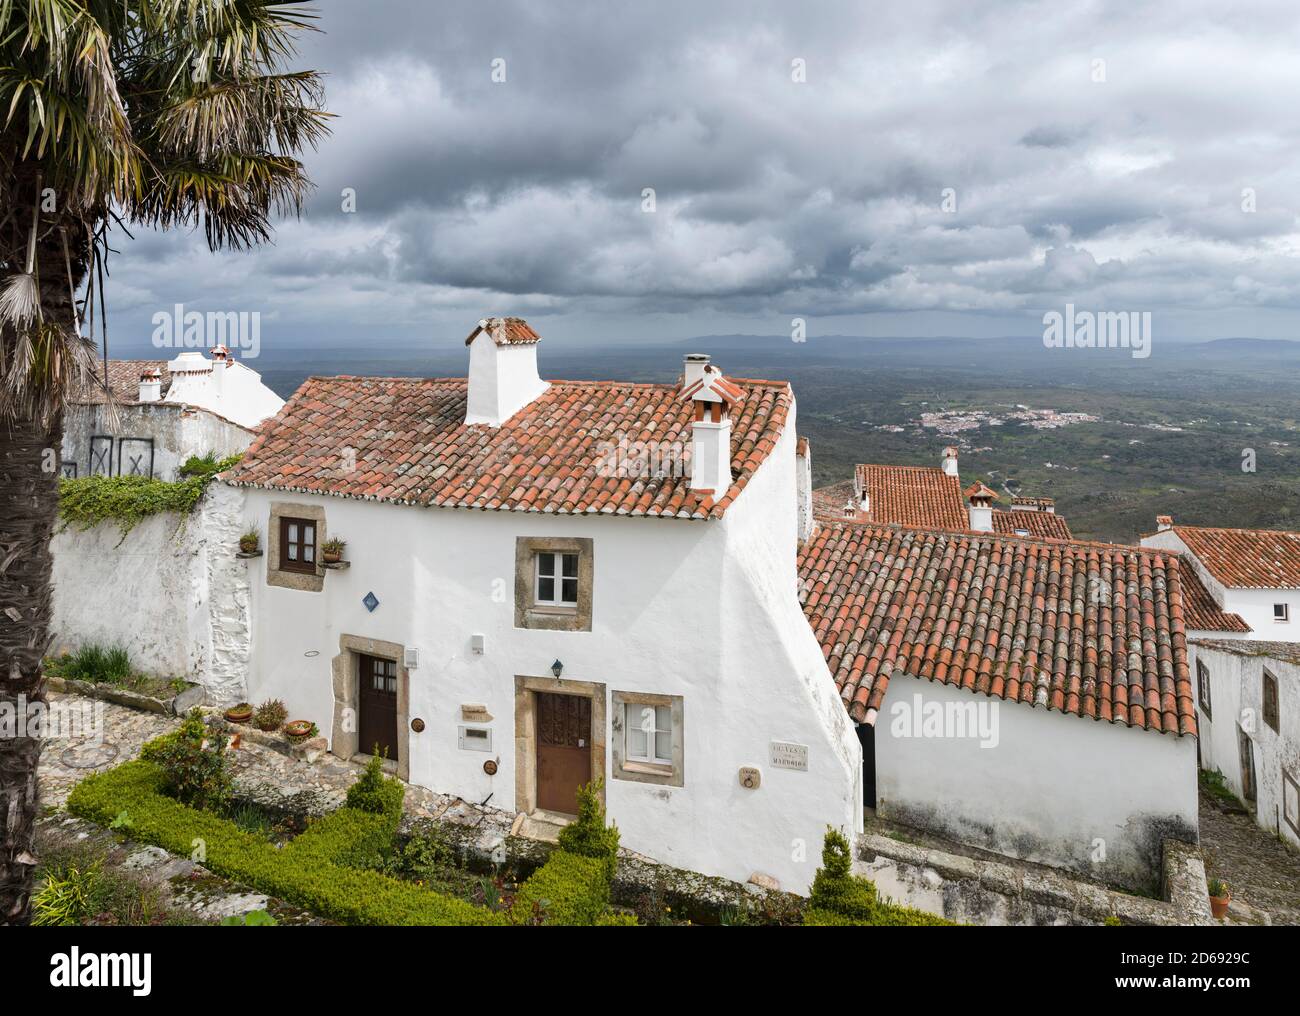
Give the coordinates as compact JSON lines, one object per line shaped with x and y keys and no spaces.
{"x":978,"y":157}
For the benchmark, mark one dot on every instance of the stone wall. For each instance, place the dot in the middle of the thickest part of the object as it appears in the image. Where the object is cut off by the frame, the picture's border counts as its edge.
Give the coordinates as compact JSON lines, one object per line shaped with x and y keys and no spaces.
{"x":171,"y":591}
{"x":975,"y":890}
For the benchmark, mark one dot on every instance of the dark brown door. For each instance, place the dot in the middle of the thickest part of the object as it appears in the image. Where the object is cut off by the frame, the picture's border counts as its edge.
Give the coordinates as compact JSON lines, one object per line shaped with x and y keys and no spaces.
{"x":377,"y":703}
{"x":563,"y":750}
{"x":1247,"y":766}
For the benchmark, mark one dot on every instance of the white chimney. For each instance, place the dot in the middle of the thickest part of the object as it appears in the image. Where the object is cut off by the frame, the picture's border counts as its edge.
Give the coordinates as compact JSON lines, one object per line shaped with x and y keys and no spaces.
{"x":151,"y":385}
{"x":950,"y":460}
{"x":981,"y":508}
{"x":803,"y":489}
{"x":502,"y":370}
{"x":1164,"y":522}
{"x":191,"y":375}
{"x":693,"y":365}
{"x":711,"y":396}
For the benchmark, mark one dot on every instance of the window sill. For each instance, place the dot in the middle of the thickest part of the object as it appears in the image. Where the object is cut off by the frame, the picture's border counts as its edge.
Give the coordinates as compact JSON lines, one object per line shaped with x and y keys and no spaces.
{"x":552,"y":611}
{"x":337,"y":565}
{"x":648,"y":768}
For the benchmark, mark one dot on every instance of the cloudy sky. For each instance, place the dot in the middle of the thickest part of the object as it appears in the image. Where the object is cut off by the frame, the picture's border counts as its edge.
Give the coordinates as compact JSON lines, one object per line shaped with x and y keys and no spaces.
{"x":886,"y":168}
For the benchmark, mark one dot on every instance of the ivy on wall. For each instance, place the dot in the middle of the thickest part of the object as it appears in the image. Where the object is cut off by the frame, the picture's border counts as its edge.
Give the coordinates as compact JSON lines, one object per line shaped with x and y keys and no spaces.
{"x":85,"y":502}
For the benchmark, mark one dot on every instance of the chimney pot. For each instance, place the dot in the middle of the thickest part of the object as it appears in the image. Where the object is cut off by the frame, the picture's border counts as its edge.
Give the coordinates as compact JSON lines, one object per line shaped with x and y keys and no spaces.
{"x":150,"y":386}
{"x":949,"y":460}
{"x":693,"y":367}
{"x":502,"y":370}
{"x":1164,"y":522}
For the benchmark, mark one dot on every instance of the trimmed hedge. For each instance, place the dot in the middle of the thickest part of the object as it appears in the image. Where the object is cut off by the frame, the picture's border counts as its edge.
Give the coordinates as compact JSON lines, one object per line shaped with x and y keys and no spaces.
{"x":568,"y":889}
{"x":315,"y":871}
{"x":840,"y":898}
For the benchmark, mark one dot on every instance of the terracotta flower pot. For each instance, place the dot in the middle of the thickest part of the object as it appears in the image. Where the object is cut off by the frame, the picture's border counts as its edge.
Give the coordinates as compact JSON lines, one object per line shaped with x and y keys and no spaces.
{"x":1219,"y":905}
{"x":237,"y":715}
{"x":297,"y":730}
{"x":332,"y":556}
{"x":247,"y":545}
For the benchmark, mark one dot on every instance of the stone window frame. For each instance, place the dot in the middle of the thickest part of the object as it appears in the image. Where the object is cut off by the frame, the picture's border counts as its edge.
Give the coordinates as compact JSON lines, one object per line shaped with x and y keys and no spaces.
{"x":527,"y":613}
{"x":642,"y":772}
{"x":526,"y":689}
{"x":344,"y":733}
{"x":306,"y":581}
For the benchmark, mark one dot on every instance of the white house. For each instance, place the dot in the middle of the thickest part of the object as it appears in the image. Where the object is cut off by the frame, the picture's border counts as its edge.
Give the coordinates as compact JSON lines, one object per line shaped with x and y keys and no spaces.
{"x":545,"y":584}
{"x":1027,"y":695}
{"x":164,"y":412}
{"x":1252,"y":573}
{"x":161,"y":591}
{"x":1249,"y":700}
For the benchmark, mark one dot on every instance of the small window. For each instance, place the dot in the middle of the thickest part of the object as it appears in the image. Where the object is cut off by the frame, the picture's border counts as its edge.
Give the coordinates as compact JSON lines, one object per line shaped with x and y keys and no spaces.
{"x":557,"y":580}
{"x":647,"y":739}
{"x":649,"y":734}
{"x":1270,"y":700}
{"x":297,"y":545}
{"x":1281,"y":612}
{"x":1203,"y":688}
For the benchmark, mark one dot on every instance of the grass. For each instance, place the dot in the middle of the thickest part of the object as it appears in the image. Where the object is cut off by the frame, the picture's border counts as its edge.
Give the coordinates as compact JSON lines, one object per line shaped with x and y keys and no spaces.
{"x":75,"y":889}
{"x":96,"y":664}
{"x":1215,"y":786}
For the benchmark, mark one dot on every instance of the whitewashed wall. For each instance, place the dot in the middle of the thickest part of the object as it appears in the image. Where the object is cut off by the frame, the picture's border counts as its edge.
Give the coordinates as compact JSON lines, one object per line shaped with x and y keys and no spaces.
{"x":1052,"y":789}
{"x":705,"y":610}
{"x":170,"y":591}
{"x":1236,"y":703}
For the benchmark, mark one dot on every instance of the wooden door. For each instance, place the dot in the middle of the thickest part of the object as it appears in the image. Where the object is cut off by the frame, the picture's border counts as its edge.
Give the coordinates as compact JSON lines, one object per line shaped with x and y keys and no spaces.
{"x":1247,"y":766}
{"x":377,"y":705}
{"x":563,"y":750}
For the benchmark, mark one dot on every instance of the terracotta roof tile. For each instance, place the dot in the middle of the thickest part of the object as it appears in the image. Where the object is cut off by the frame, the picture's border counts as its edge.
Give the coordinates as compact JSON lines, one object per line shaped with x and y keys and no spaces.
{"x":913,"y":496}
{"x":1034,"y":523}
{"x":1201,"y":612}
{"x":554,"y":455}
{"x":505,"y":331}
{"x":123,"y":379}
{"x":1095,"y":630}
{"x":1246,"y":558}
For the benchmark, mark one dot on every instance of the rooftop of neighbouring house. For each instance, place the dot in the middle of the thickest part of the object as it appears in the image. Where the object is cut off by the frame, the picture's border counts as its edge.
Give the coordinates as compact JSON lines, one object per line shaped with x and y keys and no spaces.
{"x":1201,"y":611}
{"x":1031,"y":523}
{"x":1244,"y":558}
{"x":912,"y":496}
{"x":412,"y":446}
{"x":123,"y":381}
{"x":1287,"y":652}
{"x":1094,"y":630}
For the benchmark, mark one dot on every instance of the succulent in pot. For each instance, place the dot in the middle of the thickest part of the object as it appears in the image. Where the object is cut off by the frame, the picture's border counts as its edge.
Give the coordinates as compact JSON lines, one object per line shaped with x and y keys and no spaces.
{"x":300,"y":730}
{"x":332,"y":549}
{"x":1220,"y":896}
{"x":270,"y":715}
{"x":241,"y":713}
{"x":250,"y":541}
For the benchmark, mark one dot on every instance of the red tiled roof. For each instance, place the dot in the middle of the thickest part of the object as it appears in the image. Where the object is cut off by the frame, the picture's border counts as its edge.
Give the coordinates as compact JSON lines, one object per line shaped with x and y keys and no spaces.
{"x":505,"y":331}
{"x":1015,"y":618}
{"x":1201,"y":612}
{"x":412,"y":446}
{"x":1035,"y":523}
{"x":713,"y":383}
{"x":828,"y":502}
{"x":922,"y":496}
{"x":1246,"y":558}
{"x":123,"y":379}
{"x":1288,"y":652}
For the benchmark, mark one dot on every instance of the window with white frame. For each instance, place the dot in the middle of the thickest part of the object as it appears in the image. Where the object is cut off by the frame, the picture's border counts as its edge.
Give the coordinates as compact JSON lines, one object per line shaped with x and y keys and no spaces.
{"x":649,"y":731}
{"x":647,"y":739}
{"x":1281,"y":612}
{"x":556,"y":582}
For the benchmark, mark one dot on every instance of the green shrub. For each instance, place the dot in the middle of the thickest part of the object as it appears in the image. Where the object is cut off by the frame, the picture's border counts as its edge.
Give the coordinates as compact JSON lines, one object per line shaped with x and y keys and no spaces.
{"x":252,"y":919}
{"x":588,"y":835}
{"x":68,"y":896}
{"x":94,"y":663}
{"x":86,"y":501}
{"x":841,"y":898}
{"x":194,"y":764}
{"x":568,"y":889}
{"x":304,"y":873}
{"x":375,"y":793}
{"x":206,"y":466}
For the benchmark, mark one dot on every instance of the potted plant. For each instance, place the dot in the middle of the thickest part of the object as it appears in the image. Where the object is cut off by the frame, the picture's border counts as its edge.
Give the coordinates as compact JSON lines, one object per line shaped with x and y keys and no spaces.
{"x":241,"y":713}
{"x":300,"y":730}
{"x":250,"y":540}
{"x":270,"y":715}
{"x":332,"y":549}
{"x":1220,"y":896}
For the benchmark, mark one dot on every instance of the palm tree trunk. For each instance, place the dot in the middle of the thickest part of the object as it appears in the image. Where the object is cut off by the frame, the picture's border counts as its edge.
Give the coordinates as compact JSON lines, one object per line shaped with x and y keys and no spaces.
{"x":29,"y":502}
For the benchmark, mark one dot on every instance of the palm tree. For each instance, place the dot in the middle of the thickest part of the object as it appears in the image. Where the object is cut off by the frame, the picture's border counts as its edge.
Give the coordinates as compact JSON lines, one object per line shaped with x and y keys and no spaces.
{"x":163,"y":113}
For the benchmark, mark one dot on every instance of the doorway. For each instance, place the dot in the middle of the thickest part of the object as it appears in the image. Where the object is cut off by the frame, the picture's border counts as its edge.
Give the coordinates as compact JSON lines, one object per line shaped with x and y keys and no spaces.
{"x":563,"y":750}
{"x":377,"y":706}
{"x":867,"y":738}
{"x":1247,"y":767}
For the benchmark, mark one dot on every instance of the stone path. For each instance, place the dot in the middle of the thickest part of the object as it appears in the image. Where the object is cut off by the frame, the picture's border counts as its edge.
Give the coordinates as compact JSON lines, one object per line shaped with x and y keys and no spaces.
{"x":1264,"y":874}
